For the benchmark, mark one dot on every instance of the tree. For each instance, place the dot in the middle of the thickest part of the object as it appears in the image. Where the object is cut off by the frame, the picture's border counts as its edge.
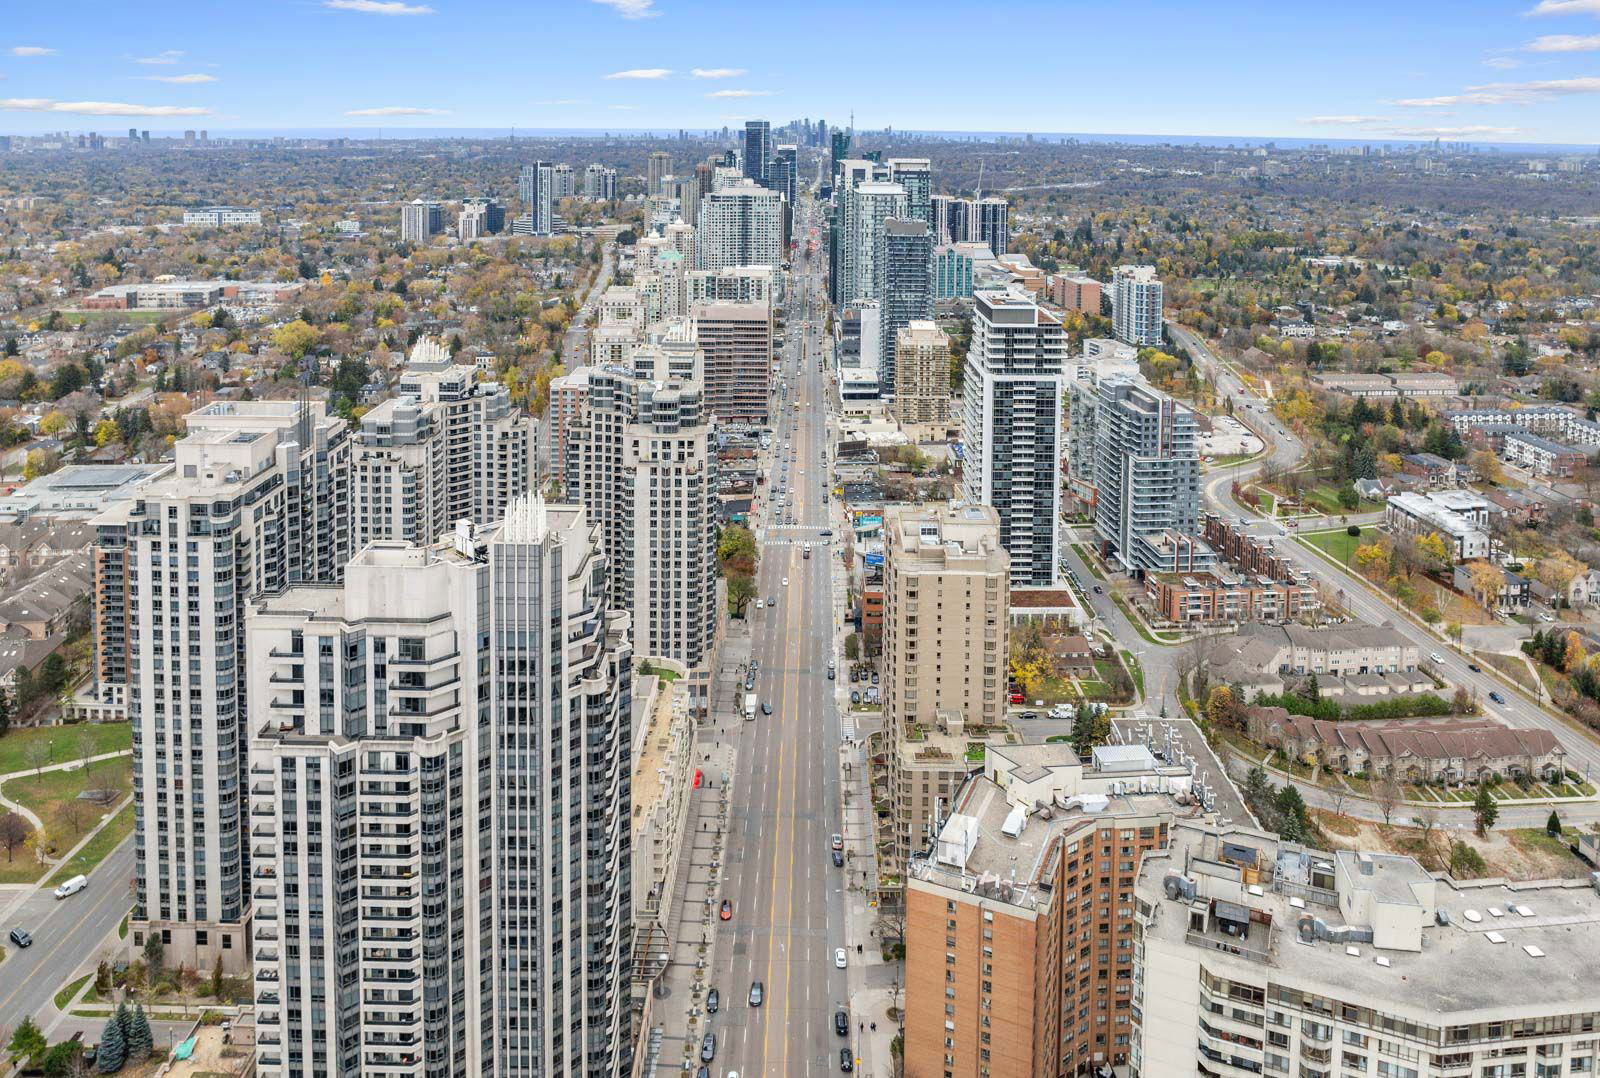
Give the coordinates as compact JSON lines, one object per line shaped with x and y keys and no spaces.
{"x":1431,"y":547}
{"x":1220,"y":704}
{"x":27,"y":1041}
{"x":155,"y":952}
{"x":38,"y":754}
{"x":735,"y":541}
{"x":113,"y":1051}
{"x":1465,"y":862}
{"x":1294,"y":821}
{"x":40,"y":462}
{"x":852,"y":647}
{"x":741,"y":589}
{"x":1552,"y":826}
{"x":1386,"y":792}
{"x":105,"y":432}
{"x":1485,"y":810}
{"x":216,"y":980}
{"x":14,"y":831}
{"x":140,"y":1041}
{"x":296,"y":338}
{"x":1427,"y":823}
{"x":1487,"y":465}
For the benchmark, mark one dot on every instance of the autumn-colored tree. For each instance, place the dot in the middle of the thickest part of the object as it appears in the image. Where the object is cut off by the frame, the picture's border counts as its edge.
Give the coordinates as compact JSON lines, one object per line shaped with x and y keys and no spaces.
{"x":1220,"y":704}
{"x":295,"y":338}
{"x":1573,"y":655}
{"x":1487,"y":581}
{"x":1432,"y":547}
{"x":105,"y":432}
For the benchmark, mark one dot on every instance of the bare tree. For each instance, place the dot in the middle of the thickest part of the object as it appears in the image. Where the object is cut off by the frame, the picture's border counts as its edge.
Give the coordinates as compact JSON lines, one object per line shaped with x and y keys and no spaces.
{"x":1338,"y":794}
{"x":14,"y":831}
{"x":73,"y":815}
{"x":86,"y":747}
{"x":38,"y":754}
{"x":1428,"y":823}
{"x":1386,"y":792}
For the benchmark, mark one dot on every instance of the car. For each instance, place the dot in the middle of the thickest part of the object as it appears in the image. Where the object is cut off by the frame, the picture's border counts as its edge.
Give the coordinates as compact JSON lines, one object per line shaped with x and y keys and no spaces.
{"x":786,"y":582}
{"x":726,"y":912}
{"x":839,"y":958}
{"x":20,"y":937}
{"x":766,"y":708}
{"x":1028,"y":715}
{"x":855,"y":696}
{"x":846,"y":1063}
{"x":855,"y":676}
{"x":758,"y":992}
{"x":772,"y":600}
{"x":713,"y":1001}
{"x":1497,"y":698}
{"x":760,"y":603}
{"x":1098,"y":590}
{"x":1015,"y":698}
{"x":874,"y":677}
{"x":838,"y":859}
{"x":825,"y":533}
{"x":1436,"y":657}
{"x":1475,"y":668}
{"x":841,"y":1022}
{"x":837,"y":842}
{"x":1547,"y":617}
{"x":708,"y":1048}
{"x":830,"y":675}
{"x":72,"y":886}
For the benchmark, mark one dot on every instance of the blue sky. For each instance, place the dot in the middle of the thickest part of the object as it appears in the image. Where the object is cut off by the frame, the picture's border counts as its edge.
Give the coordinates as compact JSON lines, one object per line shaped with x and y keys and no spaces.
{"x":1480,"y":70}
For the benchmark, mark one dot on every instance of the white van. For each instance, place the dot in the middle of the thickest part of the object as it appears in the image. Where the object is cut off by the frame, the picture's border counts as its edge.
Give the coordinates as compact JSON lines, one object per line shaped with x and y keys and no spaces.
{"x":72,"y":886}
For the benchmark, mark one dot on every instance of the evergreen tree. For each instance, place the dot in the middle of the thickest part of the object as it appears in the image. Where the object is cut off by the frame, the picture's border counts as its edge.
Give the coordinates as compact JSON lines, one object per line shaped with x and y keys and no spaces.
{"x":1552,"y":826}
{"x":155,"y":953}
{"x":113,"y":1051}
{"x":1485,"y":810}
{"x":140,"y":1041}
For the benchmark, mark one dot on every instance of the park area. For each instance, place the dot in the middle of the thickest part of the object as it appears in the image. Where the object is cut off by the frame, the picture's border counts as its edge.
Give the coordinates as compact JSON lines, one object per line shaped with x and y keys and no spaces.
{"x":56,"y":794}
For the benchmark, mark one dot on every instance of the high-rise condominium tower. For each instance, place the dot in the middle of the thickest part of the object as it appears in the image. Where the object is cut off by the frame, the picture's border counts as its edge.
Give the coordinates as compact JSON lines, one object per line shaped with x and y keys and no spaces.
{"x":1146,"y":474}
{"x":441,"y":783}
{"x":1136,"y":296}
{"x":1011,"y":424}
{"x":254,"y":503}
{"x":658,"y":166}
{"x":904,"y":290}
{"x":740,"y":225}
{"x":757,"y":149}
{"x":536,"y":188}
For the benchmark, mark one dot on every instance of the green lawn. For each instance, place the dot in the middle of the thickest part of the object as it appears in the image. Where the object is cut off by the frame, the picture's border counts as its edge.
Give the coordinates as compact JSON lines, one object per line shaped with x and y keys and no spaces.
{"x":64,"y":996}
{"x":1135,"y":671}
{"x":53,"y":796}
{"x":1088,"y":562}
{"x":97,"y":849}
{"x":62,"y":743}
{"x":1325,"y":496}
{"x":1338,"y":544}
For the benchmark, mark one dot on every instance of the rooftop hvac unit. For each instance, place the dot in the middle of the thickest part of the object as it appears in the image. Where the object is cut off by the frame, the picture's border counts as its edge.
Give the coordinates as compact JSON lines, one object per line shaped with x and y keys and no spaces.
{"x":1015,"y":822}
{"x":1178,"y":885}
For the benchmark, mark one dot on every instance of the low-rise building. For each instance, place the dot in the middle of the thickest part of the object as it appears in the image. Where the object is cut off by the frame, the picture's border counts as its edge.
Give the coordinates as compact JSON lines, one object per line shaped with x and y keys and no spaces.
{"x":1459,"y":517}
{"x":1541,"y":455}
{"x":172,"y":294}
{"x":1223,"y":595}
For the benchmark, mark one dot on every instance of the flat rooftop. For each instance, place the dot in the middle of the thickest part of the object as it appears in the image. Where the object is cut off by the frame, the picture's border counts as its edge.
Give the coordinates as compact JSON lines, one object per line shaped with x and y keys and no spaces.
{"x":1461,"y":968}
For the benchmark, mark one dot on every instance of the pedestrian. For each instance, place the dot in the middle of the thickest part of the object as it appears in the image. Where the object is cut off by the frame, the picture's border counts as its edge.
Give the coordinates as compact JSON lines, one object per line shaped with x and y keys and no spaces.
{"x":874,"y":1027}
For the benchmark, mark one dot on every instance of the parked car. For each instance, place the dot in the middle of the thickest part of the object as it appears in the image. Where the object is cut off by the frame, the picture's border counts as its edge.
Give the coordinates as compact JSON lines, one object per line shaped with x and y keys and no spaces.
{"x":846,"y":1064}
{"x":713,"y":1001}
{"x":839,"y":958}
{"x":837,"y":842}
{"x":726,"y":911}
{"x":708,"y":1048}
{"x":830,"y":675}
{"x":838,"y":859}
{"x":841,"y":1022}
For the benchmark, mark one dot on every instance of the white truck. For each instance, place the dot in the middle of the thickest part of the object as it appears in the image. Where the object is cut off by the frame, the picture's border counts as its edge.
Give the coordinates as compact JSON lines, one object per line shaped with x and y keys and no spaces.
{"x":751,"y":702}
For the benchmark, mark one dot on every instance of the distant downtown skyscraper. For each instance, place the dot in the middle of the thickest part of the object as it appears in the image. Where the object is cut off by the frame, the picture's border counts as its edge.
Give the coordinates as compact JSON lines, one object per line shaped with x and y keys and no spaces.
{"x":757,"y":149}
{"x":1011,"y":425}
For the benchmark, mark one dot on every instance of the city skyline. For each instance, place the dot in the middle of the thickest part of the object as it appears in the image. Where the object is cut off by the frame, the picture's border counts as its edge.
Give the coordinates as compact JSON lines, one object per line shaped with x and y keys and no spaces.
{"x":1500,"y":72}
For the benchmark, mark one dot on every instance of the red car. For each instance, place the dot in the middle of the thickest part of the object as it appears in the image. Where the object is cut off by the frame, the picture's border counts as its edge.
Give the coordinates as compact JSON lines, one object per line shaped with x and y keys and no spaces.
{"x":1016,"y":698}
{"x":726,"y":912}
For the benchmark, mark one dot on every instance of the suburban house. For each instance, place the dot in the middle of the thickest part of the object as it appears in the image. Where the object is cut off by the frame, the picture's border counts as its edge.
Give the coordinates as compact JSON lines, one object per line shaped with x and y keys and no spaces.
{"x":1515,"y":593}
{"x":1412,"y":750}
{"x":1072,"y":654}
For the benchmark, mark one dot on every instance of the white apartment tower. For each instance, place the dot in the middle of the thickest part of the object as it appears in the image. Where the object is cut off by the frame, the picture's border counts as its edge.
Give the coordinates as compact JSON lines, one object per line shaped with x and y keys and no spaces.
{"x":866,"y":207}
{"x":1011,"y":424}
{"x":1146,"y":477}
{"x":740,"y":225}
{"x":419,"y":220}
{"x":599,"y":183}
{"x":254,"y":503}
{"x":1136,"y":296}
{"x":640,"y":458}
{"x":446,"y":448}
{"x":455,"y":722}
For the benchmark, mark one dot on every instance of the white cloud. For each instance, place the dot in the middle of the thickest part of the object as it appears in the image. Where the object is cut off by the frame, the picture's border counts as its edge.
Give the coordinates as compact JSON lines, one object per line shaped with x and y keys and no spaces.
{"x":1502,"y":63}
{"x":1325,"y":121}
{"x":181,"y":80}
{"x":631,"y":9}
{"x":97,"y":108}
{"x":741,"y":93}
{"x":1465,"y":131}
{"x":378,"y":7}
{"x":1566,"y":7}
{"x":1509,"y":93}
{"x":642,"y":73}
{"x":31,"y":50}
{"x":717,"y":72}
{"x":1564,"y":43}
{"x":169,"y":56}
{"x":397,"y":110}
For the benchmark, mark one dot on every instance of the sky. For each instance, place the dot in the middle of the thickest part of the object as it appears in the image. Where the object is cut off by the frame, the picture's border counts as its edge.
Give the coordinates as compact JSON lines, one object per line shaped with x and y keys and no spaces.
{"x":1470,"y":70}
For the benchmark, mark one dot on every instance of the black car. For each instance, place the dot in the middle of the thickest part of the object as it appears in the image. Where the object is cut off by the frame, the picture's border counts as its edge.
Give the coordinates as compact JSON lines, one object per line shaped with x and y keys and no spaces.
{"x":21,"y":938}
{"x":830,"y":675}
{"x":845,"y":1062}
{"x":758,"y":993}
{"x":841,"y":1022}
{"x":825,"y":533}
{"x":708,"y":1048}
{"x":1028,"y":715}
{"x":713,"y":1001}
{"x":766,"y":708}
{"x":1475,"y":668}
{"x":838,"y":859}
{"x":1497,"y":698}
{"x":703,"y":1072}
